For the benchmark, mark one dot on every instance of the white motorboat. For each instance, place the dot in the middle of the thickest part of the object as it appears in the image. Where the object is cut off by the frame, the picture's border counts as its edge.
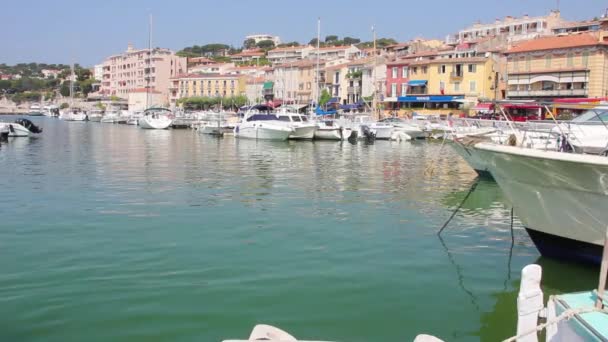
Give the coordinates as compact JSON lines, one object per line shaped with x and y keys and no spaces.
{"x":259,"y":125}
{"x":402,"y":125}
{"x":20,"y":128}
{"x":213,"y":123}
{"x":73,"y":114}
{"x":35,"y":110}
{"x":328,"y":130}
{"x":562,"y":198}
{"x":156,"y":118}
{"x":302,"y":128}
{"x":587,"y":133}
{"x":51,"y":111}
{"x":263,"y":332}
{"x":110,"y":116}
{"x":95,"y":115}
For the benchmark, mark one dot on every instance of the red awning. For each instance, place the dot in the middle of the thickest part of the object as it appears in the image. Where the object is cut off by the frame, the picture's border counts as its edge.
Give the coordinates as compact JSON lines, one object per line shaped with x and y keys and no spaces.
{"x":580,"y":100}
{"x":521,"y":106}
{"x":484,"y":106}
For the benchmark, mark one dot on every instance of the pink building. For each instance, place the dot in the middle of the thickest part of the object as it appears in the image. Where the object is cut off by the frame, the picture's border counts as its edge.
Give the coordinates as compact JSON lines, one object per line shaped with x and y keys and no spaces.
{"x":134,"y":69}
{"x":396,"y":79}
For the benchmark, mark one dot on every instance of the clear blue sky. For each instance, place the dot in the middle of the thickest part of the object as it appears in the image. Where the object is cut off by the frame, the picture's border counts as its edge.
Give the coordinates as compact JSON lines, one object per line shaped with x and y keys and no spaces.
{"x":84,"y":31}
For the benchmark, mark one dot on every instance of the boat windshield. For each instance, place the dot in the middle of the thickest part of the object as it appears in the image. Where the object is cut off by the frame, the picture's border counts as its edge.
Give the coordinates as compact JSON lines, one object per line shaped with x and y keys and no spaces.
{"x":593,"y":115}
{"x":284,"y":118}
{"x":303,"y":118}
{"x":262,"y":117}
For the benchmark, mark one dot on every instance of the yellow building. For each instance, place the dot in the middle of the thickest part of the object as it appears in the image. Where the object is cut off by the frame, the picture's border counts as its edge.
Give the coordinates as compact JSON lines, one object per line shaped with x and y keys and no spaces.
{"x":208,"y":85}
{"x":571,"y":66}
{"x":443,"y":82}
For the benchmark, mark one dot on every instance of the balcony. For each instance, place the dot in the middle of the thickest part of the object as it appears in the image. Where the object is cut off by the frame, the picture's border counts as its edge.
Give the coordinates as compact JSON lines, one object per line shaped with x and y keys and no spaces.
{"x":455,"y":76}
{"x":539,"y":93}
{"x":353,"y":90}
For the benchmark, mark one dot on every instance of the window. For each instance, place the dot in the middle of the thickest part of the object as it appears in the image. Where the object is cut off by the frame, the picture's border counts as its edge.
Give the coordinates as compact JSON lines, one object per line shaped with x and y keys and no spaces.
{"x":442,"y":86}
{"x":457,"y":86}
{"x":415,"y":70}
{"x":404,"y":72}
{"x":570,"y":59}
{"x":472,"y":86}
{"x":424,"y":69}
{"x":395,"y":72}
{"x":585,"y":58}
{"x":394,"y":90}
{"x":441,"y":69}
{"x":403,"y":89}
{"x":548,"y":61}
{"x":472,"y":68}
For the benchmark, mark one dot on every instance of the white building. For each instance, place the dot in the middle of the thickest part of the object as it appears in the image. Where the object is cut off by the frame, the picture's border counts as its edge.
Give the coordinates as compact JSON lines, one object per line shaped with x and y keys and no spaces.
{"x":98,"y":72}
{"x":335,"y":52}
{"x":261,"y":37}
{"x":289,"y":54}
{"x":511,"y":28}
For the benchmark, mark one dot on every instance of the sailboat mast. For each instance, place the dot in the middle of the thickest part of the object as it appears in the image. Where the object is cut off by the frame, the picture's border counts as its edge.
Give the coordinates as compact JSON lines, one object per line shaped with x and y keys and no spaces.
{"x":375,"y":99}
{"x":318,"y":92}
{"x":149,"y":66}
{"x":72,"y":85}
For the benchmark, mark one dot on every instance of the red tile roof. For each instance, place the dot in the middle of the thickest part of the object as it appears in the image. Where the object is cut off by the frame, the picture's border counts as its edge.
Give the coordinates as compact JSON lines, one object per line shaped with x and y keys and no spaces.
{"x":558,"y":42}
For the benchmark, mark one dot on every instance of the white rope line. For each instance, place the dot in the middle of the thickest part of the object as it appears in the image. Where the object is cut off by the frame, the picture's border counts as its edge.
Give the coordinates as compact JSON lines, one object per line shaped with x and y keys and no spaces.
{"x":568,"y":314}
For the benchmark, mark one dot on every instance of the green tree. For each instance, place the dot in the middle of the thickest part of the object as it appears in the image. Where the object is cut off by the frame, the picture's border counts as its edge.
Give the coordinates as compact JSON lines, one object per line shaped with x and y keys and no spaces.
{"x":249,"y":43}
{"x":331,"y":38}
{"x":313,"y":42}
{"x":265,"y":44}
{"x":324,"y":98}
{"x":64,"y":106}
{"x":351,"y":41}
{"x":65,"y":89}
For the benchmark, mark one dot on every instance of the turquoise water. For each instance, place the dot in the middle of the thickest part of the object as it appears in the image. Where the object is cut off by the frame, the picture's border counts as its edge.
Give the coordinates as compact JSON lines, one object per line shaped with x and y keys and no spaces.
{"x":113,"y":233}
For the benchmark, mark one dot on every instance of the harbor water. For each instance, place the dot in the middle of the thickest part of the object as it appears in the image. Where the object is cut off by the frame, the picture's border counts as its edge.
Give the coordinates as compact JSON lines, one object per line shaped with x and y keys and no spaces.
{"x":114,"y":233}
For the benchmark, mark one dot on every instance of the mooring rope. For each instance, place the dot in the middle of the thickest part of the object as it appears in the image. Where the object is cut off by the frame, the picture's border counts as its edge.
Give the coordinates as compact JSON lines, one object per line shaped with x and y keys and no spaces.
{"x":568,"y":314}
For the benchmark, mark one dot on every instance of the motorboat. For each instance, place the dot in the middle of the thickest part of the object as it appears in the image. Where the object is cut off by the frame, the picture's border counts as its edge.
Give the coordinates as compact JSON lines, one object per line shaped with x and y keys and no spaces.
{"x":73,"y":114}
{"x":35,"y":110}
{"x":110,"y":116}
{"x":561,"y":198}
{"x":156,"y":118}
{"x":587,"y":133}
{"x":213,"y":123}
{"x":328,"y":130}
{"x":134,"y":118}
{"x":20,"y":128}
{"x":264,"y":332}
{"x":302,"y":128}
{"x":51,"y":111}
{"x":95,"y":115}
{"x":403,"y":126}
{"x":259,"y":123}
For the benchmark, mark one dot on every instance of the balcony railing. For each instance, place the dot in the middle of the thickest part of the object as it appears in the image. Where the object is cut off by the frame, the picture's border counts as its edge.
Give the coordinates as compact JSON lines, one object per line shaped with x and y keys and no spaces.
{"x":454,"y":76}
{"x":557,"y":92}
{"x":353,"y":90}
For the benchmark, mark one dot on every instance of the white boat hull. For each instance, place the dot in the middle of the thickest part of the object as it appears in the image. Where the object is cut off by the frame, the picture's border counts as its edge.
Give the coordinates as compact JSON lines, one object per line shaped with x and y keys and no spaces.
{"x":14,"y":129}
{"x":383,"y":132}
{"x":472,"y":157}
{"x":262,"y":131}
{"x":561,"y":198}
{"x":95,"y":118}
{"x":331,"y":133}
{"x":303,"y":132}
{"x":148,"y":122}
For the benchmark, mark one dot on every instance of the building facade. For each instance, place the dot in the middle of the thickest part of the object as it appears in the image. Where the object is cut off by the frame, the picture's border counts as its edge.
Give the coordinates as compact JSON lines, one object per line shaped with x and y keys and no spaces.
{"x":207,"y":85}
{"x":261,"y":37}
{"x":140,"y":68}
{"x":288,"y":54}
{"x":559,"y":67}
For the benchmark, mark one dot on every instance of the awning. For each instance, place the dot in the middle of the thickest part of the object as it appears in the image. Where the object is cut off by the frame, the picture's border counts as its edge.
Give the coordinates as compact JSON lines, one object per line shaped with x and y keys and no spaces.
{"x":521,"y":106}
{"x":268,"y":85}
{"x":416,"y":83}
{"x":334,"y":100}
{"x":430,"y":98}
{"x":351,"y":106}
{"x":482,"y":107}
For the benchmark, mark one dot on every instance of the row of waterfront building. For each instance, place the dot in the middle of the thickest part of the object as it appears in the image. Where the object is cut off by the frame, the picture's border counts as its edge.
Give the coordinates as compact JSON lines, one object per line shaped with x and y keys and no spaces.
{"x":516,"y":58}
